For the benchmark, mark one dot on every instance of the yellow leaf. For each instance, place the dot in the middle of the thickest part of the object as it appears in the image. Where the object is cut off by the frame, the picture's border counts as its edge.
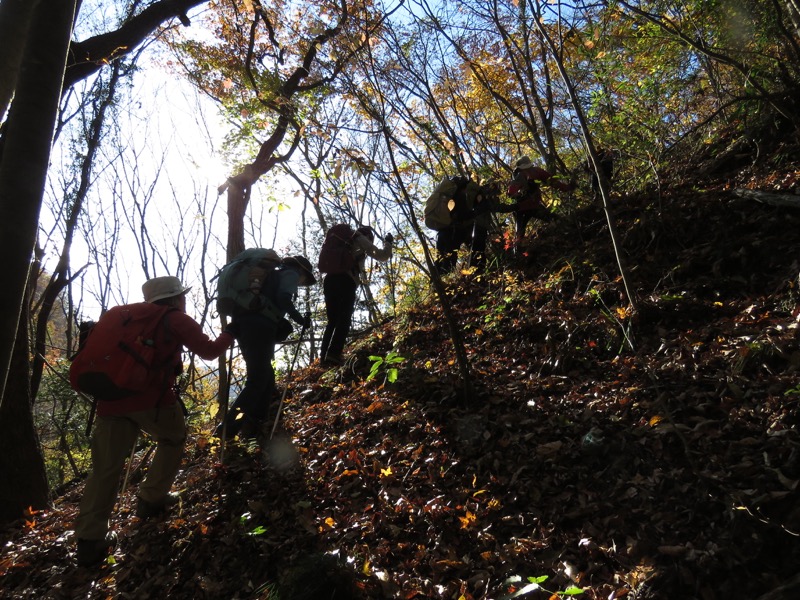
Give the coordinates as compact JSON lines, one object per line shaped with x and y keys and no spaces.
{"x":366,"y":568}
{"x":330,"y":522}
{"x":467,"y":520}
{"x":655,"y":420}
{"x":386,"y":472}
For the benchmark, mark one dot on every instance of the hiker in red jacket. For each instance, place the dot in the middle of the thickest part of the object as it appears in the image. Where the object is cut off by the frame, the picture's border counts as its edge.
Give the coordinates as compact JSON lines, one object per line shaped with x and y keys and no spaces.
{"x":340,"y":291}
{"x":524,"y":188}
{"x":156,"y":411}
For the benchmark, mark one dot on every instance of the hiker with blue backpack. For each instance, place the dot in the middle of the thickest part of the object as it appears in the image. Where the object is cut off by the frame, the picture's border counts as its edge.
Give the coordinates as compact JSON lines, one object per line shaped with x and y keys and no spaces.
{"x":342,"y":259}
{"x":257,"y":306}
{"x":129,"y":362}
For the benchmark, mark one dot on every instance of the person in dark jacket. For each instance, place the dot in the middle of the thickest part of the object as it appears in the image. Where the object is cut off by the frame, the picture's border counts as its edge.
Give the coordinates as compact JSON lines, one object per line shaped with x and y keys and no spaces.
{"x":487,"y":203}
{"x":340,"y":291}
{"x":156,"y":411}
{"x":606,"y":164}
{"x":256,"y":336}
{"x":525,"y":189}
{"x":459,"y":233}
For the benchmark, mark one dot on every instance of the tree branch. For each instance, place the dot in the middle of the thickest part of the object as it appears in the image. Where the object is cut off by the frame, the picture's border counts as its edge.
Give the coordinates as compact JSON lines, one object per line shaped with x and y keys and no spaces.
{"x":89,"y":56}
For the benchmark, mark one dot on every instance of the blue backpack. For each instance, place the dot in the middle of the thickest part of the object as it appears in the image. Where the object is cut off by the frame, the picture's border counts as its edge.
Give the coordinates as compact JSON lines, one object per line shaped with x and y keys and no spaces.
{"x":243,"y":285}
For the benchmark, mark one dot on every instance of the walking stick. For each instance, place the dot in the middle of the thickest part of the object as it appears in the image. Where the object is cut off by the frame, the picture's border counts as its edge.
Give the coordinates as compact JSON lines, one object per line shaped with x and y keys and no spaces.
{"x":130,"y":464}
{"x":224,"y":399}
{"x":286,"y":387}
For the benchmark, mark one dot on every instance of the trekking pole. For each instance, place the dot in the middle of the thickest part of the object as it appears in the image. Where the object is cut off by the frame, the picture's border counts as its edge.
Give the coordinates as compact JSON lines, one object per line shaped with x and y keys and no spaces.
{"x":286,"y":387}
{"x":130,"y":463}
{"x":224,"y":400}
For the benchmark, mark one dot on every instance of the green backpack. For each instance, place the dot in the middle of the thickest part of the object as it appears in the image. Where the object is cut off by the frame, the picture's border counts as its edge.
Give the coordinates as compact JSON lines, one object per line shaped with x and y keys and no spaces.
{"x":437,"y":207}
{"x":241,"y":288}
{"x":445,"y":205}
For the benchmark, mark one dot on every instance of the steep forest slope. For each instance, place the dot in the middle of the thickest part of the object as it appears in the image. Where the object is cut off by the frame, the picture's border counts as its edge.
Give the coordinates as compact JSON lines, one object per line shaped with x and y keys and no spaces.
{"x":653,"y":459}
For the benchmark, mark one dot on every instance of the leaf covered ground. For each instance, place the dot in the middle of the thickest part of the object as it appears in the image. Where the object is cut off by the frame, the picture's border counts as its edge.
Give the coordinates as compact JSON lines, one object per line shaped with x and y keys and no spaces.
{"x":653,"y":458}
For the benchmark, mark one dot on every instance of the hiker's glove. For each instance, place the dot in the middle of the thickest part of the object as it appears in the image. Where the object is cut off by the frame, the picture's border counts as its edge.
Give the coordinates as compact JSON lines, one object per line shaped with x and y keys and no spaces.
{"x":234,"y":329}
{"x":389,"y":238}
{"x":306,"y":322}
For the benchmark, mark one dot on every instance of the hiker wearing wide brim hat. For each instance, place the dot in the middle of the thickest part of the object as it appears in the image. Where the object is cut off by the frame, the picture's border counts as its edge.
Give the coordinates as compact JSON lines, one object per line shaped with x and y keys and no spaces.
{"x":257,"y":335}
{"x":341,"y":289}
{"x":154,"y":409}
{"x":524,"y":188}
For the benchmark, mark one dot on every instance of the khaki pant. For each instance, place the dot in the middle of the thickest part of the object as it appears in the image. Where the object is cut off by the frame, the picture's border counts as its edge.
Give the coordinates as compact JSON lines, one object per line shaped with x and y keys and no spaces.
{"x":112,"y":442}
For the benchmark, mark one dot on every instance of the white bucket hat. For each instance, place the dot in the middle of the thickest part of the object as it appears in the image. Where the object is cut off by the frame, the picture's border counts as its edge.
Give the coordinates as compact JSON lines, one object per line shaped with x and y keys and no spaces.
{"x":159,"y":288}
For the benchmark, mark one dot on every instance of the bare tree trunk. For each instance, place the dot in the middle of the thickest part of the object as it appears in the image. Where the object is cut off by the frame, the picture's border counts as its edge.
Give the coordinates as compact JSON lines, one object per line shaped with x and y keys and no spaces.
{"x":21,"y":462}
{"x":238,"y":186}
{"x":15,"y":19}
{"x":25,"y":156}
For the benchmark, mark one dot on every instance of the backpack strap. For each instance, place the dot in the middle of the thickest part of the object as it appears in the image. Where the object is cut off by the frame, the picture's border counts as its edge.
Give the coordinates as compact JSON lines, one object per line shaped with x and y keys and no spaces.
{"x":165,"y":367}
{"x":270,"y":308}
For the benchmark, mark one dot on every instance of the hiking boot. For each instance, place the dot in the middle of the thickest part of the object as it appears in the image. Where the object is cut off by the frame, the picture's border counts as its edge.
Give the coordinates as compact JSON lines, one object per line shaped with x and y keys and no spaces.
{"x":93,"y":552}
{"x":150,"y":510}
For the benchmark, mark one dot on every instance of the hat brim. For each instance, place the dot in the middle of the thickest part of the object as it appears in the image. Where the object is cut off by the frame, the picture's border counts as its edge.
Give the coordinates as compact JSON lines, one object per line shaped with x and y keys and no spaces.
{"x":170,"y":295}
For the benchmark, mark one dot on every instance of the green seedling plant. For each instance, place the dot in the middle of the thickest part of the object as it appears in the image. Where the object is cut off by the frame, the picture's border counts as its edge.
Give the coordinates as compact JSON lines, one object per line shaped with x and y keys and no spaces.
{"x":246,"y":520}
{"x":535,"y":584}
{"x":381,"y":363}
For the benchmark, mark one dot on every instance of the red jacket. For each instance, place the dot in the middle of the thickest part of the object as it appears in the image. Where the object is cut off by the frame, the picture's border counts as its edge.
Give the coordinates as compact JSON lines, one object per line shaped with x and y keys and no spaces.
{"x":178,"y":330}
{"x":527,"y":191}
